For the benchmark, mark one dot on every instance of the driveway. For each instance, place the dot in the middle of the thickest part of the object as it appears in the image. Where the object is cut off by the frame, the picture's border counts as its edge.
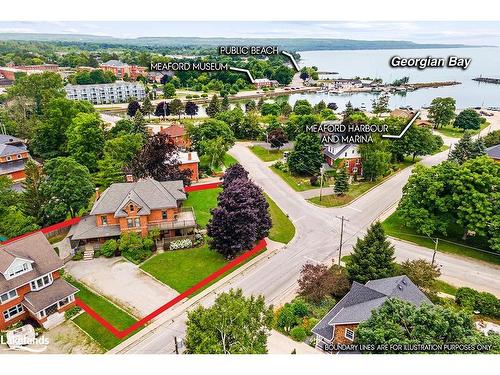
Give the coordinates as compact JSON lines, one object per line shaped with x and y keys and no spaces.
{"x":123,"y":283}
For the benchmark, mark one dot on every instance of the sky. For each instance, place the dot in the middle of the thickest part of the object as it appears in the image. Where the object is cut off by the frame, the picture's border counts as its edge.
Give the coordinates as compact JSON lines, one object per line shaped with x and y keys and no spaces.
{"x":468,"y":32}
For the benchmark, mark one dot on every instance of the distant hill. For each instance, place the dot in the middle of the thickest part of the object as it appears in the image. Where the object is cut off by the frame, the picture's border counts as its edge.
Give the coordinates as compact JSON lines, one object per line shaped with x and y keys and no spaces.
{"x":292,"y":44}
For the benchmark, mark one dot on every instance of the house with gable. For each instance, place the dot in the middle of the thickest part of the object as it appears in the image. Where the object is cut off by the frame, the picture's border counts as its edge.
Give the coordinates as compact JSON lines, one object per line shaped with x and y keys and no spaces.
{"x":339,"y":324}
{"x":136,"y":207}
{"x":30,"y":283}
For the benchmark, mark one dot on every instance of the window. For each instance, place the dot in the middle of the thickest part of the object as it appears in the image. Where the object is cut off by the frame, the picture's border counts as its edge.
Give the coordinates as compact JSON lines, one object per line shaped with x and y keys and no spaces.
{"x":19,"y":269}
{"x":164,"y":215}
{"x":349,"y":334}
{"x":104,"y":220}
{"x":8,"y":296}
{"x":133,"y":222}
{"x":131,"y":208}
{"x":137,"y":222}
{"x":41,"y":282}
{"x":9,"y":158}
{"x":12,"y":312}
{"x":130,"y":223}
{"x":345,"y":153}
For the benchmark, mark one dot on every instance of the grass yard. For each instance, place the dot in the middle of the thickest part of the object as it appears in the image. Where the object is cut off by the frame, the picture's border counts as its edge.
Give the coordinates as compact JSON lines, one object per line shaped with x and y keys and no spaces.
{"x":229,"y":160}
{"x":355,"y":190}
{"x":266,"y":155}
{"x":181,"y":269}
{"x":296,"y":183}
{"x":202,"y":202}
{"x":283,"y":229}
{"x":441,"y":149}
{"x":444,"y":287}
{"x":114,"y":315}
{"x":394,"y":227}
{"x":450,"y":131}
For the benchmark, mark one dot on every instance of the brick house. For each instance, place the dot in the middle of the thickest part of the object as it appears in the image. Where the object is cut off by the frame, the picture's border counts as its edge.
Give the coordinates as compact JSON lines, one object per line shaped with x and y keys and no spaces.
{"x":30,"y":283}
{"x":120,"y":69}
{"x":178,"y":135}
{"x":347,"y":153}
{"x":339,"y":324}
{"x":136,"y":207}
{"x":189,"y":160}
{"x":13,"y":157}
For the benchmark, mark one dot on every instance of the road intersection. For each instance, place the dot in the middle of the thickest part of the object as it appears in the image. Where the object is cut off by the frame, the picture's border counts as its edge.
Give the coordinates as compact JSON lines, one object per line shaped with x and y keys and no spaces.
{"x":316,"y":240}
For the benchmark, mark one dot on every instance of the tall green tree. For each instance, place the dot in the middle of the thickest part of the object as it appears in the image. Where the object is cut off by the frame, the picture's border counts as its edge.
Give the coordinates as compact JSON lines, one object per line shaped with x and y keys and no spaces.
{"x":176,"y":107}
{"x":467,"y":148}
{"x":39,"y":87}
{"x":210,"y":129}
{"x":118,"y":152}
{"x":169,"y":90}
{"x":147,"y":107}
{"x":376,"y":159}
{"x":68,"y":184}
{"x":33,"y":198}
{"x":50,"y":138}
{"x":234,"y":324}
{"x":86,"y":140}
{"x":372,"y":257}
{"x":225,"y":105}
{"x":442,"y":111}
{"x":341,"y":186}
{"x":306,"y":157}
{"x":214,"y":106}
{"x":399,"y":322}
{"x":468,"y":119}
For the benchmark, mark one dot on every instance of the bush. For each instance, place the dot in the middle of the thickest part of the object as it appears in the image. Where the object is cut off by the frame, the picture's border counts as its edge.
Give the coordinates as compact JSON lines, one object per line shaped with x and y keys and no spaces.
{"x":198,"y":239}
{"x":78,"y":255}
{"x":97,"y":253}
{"x":108,"y":249}
{"x":204,"y":95}
{"x":299,"y":307}
{"x":189,"y":96}
{"x":308,"y":324}
{"x":298,"y":333}
{"x":68,"y":314}
{"x":485,"y":303}
{"x":181,"y":244}
{"x":314,"y":180}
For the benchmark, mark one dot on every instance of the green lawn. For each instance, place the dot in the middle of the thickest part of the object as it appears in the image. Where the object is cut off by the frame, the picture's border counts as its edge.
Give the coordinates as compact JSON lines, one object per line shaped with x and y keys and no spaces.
{"x":444,"y":287}
{"x":181,"y":269}
{"x":450,"y":131}
{"x":266,"y":155}
{"x":283,"y":229}
{"x":441,"y":149}
{"x":202,"y":202}
{"x":114,"y":315}
{"x":355,"y":190}
{"x":229,"y":160}
{"x":296,"y":183}
{"x":394,"y":227}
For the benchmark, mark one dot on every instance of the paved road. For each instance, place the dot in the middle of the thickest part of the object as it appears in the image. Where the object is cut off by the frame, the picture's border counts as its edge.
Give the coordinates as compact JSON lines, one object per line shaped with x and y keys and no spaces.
{"x":316,"y":240}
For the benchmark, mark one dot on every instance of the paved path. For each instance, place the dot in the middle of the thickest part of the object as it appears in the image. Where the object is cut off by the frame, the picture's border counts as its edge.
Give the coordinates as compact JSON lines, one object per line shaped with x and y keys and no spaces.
{"x":122,"y":282}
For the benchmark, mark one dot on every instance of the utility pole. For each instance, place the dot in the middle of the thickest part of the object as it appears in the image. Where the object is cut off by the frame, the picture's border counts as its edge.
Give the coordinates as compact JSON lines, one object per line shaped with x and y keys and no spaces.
{"x":435,"y":250}
{"x":342,"y":219}
{"x":321,"y":171}
{"x":176,"y":345}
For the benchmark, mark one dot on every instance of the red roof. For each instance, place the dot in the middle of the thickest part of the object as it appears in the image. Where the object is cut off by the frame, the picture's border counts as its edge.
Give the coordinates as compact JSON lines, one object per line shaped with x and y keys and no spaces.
{"x":174,"y":131}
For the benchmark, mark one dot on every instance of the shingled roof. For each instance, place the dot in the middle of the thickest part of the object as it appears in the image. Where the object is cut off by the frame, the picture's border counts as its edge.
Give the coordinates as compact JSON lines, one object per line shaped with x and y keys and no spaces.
{"x":148,"y":194}
{"x":357,"y":305}
{"x":34,"y":248}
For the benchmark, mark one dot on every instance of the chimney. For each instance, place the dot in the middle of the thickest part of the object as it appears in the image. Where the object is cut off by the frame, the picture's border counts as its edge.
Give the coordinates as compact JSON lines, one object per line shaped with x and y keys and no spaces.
{"x":97,"y":194}
{"x":129,"y":178}
{"x":189,"y":155}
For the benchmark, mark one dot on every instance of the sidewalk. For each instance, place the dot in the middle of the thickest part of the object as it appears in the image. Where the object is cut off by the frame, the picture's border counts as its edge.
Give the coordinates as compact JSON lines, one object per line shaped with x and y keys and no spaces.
{"x":277,"y":343}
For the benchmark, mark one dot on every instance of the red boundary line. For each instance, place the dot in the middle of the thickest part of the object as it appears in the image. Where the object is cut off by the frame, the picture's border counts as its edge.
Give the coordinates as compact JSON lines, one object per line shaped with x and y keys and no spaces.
{"x":46,"y":230}
{"x":142,"y":322}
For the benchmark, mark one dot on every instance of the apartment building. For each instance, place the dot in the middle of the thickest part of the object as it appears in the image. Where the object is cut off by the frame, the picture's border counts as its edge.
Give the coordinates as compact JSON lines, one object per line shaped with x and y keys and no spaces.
{"x":107,"y":93}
